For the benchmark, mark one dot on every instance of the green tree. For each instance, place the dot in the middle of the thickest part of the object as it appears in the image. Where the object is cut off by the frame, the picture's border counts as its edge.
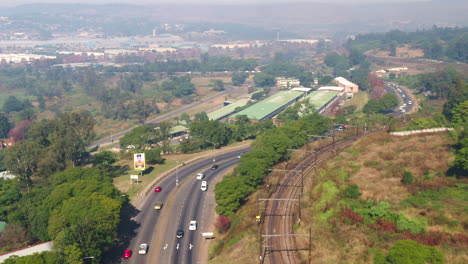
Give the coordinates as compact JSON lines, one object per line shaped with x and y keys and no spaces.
{"x":202,"y":116}
{"x":73,"y":133}
{"x":359,"y":77}
{"x":36,"y":258}
{"x":264,"y":80}
{"x":163,"y":135}
{"x":460,"y":113}
{"x":73,"y":255}
{"x":356,"y":57}
{"x":218,"y":85}
{"x":104,"y":159}
{"x":22,"y":160}
{"x":12,"y":104}
{"x":5,"y":126}
{"x":238,"y":78}
{"x":332,"y":59}
{"x":138,"y":138}
{"x":27,"y":114}
{"x":229,"y":194}
{"x":153,"y":156}
{"x":9,"y":196}
{"x":393,"y":48}
{"x":88,"y":222}
{"x":185,"y":117}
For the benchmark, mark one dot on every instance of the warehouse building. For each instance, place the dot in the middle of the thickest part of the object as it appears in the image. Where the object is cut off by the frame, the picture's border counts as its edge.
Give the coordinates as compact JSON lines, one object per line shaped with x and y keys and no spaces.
{"x":227,"y":110}
{"x":350,"y":87}
{"x":326,"y":98}
{"x":270,"y":106}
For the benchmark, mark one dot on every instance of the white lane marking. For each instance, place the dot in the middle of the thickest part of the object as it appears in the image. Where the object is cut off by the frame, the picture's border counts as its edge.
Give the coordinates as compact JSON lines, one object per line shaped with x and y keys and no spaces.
{"x":165,"y":247}
{"x":191,"y":246}
{"x":177,"y":246}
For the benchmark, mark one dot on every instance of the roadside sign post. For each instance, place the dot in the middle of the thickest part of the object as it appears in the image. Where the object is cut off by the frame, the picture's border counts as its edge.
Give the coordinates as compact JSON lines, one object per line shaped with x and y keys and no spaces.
{"x":133,"y":177}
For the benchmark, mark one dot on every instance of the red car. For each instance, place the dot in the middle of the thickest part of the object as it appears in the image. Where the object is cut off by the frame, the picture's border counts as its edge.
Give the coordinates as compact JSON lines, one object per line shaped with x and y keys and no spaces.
{"x":158,"y":189}
{"x":127,"y":253}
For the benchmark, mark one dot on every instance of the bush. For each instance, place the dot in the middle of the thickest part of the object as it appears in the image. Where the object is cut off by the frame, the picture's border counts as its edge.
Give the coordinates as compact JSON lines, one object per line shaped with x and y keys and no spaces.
{"x":352,"y":192}
{"x":413,"y":226}
{"x":407,"y":178}
{"x":223,"y":223}
{"x":411,"y":252}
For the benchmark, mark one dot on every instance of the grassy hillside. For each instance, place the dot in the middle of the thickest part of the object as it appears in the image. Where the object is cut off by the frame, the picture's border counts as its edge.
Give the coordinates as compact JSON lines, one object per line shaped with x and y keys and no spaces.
{"x":352,"y":224}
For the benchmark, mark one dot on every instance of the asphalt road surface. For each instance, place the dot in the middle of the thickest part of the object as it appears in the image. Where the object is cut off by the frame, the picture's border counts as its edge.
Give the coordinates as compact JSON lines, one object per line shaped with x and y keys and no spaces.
{"x":181,"y":204}
{"x":407,"y":105}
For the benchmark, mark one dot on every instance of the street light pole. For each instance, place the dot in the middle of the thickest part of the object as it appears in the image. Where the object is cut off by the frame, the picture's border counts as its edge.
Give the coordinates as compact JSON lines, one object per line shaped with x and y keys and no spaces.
{"x":214,"y":146}
{"x":177,"y":174}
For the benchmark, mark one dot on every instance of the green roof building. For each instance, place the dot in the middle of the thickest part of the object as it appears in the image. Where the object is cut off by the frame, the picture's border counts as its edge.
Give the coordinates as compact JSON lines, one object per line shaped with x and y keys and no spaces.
{"x":178,"y":130}
{"x":270,"y":106}
{"x":227,"y":110}
{"x":321,"y":99}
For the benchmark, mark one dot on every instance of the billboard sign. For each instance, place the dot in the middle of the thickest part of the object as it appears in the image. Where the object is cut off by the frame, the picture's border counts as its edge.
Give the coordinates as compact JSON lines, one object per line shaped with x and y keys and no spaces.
{"x":139,"y":161}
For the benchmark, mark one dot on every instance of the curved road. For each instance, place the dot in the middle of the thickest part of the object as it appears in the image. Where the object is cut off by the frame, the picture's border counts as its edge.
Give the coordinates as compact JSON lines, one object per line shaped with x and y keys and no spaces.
{"x":158,"y":227}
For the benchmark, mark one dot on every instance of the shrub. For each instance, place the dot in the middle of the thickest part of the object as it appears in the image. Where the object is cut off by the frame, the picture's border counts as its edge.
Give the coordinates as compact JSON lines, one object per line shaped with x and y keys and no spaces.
{"x":413,"y":226}
{"x":223,"y":223}
{"x":407,"y":178}
{"x":411,"y":252}
{"x":379,"y":258}
{"x":352,"y":192}
{"x":350,"y":217}
{"x":385,"y":226}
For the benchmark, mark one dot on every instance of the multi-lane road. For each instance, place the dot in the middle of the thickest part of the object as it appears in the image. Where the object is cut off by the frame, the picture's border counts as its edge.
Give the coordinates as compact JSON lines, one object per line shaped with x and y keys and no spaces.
{"x":182,"y":204}
{"x":406,"y":105}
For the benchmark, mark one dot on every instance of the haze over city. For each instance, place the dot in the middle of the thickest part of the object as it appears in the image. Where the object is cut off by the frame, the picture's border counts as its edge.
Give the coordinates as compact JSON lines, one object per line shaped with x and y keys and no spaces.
{"x":217,"y":131}
{"x":229,"y":2}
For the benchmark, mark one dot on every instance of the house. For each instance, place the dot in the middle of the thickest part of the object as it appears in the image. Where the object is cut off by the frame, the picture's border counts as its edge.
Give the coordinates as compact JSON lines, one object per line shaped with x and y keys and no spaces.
{"x":6,"y":143}
{"x":349,"y":87}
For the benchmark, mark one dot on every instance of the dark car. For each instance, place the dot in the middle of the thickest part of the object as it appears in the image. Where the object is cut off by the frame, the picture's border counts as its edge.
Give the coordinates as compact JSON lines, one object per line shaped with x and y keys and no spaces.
{"x":180,"y":233}
{"x":158,"y":189}
{"x":127,"y":253}
{"x":214,"y":167}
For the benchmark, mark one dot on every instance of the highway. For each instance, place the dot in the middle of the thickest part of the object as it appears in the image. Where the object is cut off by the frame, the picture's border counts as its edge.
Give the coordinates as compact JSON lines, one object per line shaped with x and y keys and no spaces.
{"x":407,"y":104}
{"x":181,"y":204}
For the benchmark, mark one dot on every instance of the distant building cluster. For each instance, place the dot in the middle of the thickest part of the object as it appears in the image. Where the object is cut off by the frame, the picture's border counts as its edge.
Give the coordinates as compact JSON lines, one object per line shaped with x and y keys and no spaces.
{"x":287,"y":83}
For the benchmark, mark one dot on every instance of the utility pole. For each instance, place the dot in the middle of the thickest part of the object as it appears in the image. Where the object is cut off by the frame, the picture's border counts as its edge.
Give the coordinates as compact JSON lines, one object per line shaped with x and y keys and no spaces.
{"x":310,"y":244}
{"x":177,"y":174}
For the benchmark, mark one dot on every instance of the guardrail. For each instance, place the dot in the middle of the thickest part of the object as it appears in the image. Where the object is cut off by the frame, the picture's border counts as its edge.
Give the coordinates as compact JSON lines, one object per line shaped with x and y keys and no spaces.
{"x":421,"y":131}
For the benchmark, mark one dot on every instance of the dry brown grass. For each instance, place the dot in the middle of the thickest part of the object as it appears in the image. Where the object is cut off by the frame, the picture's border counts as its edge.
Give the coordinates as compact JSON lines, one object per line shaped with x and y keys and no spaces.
{"x":375,"y":164}
{"x":384,"y":158}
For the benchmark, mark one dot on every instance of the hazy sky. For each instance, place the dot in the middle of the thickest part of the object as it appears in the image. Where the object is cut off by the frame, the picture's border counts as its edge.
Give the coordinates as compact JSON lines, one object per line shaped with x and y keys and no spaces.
{"x":19,"y":2}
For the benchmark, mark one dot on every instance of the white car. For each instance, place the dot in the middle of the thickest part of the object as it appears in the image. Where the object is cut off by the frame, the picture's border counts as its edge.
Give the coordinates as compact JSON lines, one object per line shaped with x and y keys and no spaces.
{"x":204,"y":186}
{"x":193,"y":225}
{"x":200,"y":176}
{"x":143,"y":249}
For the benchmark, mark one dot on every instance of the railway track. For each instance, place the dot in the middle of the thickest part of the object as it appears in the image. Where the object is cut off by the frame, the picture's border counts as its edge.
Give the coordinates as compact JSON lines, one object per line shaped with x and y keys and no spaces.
{"x":279,"y":217}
